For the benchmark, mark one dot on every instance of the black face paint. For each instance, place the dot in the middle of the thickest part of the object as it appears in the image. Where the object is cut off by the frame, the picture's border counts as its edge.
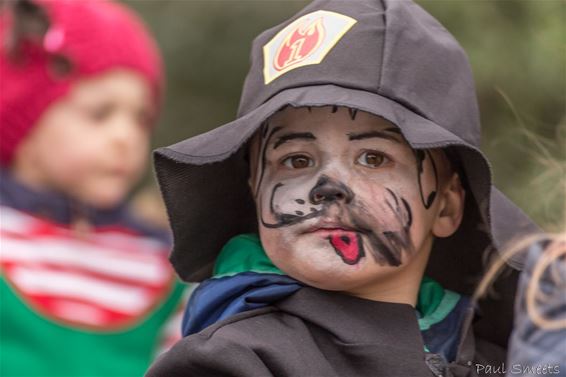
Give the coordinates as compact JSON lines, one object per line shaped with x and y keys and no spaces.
{"x":371,"y":134}
{"x":381,"y":251}
{"x":293,"y":136}
{"x":397,"y":209}
{"x":409,"y":212}
{"x":282,"y":219}
{"x":264,"y":152}
{"x":387,"y":245}
{"x":391,"y":134}
{"x":285,"y":219}
{"x":353,"y":113}
{"x":420,"y":156}
{"x":325,"y":192}
{"x":394,"y":130}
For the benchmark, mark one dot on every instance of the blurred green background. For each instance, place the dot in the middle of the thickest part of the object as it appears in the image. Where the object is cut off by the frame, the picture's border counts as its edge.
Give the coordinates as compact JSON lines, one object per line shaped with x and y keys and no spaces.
{"x":517,"y":49}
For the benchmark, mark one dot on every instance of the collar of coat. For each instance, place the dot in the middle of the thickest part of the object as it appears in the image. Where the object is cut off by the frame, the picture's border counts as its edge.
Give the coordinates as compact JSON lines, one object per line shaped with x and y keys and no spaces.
{"x":353,"y":320}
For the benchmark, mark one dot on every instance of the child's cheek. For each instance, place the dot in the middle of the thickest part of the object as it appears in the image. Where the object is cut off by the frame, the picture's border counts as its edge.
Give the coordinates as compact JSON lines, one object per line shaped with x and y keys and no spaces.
{"x":417,"y":194}
{"x":277,"y":243}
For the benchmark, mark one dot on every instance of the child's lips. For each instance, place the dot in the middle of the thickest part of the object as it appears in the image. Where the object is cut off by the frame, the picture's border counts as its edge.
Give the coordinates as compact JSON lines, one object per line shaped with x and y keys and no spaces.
{"x":118,"y":172}
{"x":328,"y":227}
{"x":328,"y":231}
{"x":344,"y":239}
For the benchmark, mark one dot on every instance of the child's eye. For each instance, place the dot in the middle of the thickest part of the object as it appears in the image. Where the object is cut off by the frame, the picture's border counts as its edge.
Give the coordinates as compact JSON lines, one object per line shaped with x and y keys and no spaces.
{"x":298,"y":162}
{"x":371,"y":159}
{"x":101,"y":113}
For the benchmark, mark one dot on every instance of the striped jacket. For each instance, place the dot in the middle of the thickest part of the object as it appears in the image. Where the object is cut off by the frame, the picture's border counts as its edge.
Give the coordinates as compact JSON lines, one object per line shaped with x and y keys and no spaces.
{"x":101,"y":301}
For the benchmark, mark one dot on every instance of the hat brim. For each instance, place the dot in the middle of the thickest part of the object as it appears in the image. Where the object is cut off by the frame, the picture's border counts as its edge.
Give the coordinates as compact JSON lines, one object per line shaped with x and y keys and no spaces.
{"x":204,"y":182}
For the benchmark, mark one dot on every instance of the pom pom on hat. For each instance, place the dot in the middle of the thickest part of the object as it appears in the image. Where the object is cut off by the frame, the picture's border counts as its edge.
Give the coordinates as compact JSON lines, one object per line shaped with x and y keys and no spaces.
{"x":82,"y":38}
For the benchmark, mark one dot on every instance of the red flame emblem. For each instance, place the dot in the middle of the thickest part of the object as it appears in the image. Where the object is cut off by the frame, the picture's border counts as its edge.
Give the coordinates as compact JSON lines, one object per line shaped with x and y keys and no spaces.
{"x":299,"y":44}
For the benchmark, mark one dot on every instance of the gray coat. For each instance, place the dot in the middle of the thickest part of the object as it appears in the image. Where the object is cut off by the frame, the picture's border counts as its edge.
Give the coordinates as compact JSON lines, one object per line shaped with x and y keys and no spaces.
{"x":319,"y":333}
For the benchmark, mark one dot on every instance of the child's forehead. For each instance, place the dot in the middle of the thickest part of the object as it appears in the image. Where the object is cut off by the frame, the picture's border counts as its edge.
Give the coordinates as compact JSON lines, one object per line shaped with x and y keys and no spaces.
{"x":336,"y":116}
{"x":324,"y":118}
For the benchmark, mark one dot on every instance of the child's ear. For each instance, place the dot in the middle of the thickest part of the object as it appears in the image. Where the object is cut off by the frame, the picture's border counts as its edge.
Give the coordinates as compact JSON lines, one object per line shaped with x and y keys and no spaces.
{"x":451,"y":211}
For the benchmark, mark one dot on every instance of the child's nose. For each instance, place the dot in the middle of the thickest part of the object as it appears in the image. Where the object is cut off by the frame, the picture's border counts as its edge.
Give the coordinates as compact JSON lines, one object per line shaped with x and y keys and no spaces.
{"x":327,"y":190}
{"x":125,"y":132}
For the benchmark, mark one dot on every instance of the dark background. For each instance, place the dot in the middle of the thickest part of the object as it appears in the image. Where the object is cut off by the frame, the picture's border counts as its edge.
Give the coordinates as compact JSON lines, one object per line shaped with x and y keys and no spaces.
{"x":516,"y":47}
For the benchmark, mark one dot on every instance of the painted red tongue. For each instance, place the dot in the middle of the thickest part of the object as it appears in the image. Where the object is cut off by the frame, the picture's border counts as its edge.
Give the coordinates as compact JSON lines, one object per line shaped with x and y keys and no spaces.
{"x":347,"y":245}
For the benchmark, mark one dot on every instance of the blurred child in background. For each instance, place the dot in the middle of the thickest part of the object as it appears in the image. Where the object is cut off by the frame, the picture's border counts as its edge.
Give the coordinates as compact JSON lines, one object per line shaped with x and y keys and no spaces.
{"x":86,"y":289}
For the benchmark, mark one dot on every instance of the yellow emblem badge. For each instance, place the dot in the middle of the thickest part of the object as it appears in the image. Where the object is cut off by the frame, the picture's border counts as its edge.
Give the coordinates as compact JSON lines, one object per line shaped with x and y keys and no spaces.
{"x":305,"y":41}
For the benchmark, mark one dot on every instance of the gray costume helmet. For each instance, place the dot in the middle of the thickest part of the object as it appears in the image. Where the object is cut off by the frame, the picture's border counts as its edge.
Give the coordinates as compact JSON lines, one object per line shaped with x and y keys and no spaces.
{"x":389,"y":58}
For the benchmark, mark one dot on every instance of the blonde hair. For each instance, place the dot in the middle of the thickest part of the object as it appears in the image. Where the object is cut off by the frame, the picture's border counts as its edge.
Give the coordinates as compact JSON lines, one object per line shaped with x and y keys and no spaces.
{"x":553,"y":255}
{"x":548,"y":153}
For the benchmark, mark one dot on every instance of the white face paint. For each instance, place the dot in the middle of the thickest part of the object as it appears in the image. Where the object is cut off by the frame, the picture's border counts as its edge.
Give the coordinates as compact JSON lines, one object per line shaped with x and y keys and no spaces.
{"x":342,"y":198}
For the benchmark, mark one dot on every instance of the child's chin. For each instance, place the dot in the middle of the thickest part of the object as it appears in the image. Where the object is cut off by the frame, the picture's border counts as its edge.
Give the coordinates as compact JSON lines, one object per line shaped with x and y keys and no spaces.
{"x":334,"y":276}
{"x":104,"y":199}
{"x":330,"y":284}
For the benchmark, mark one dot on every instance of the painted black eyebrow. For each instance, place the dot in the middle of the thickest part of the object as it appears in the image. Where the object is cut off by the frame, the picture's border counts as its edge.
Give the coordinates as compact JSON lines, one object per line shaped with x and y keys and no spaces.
{"x":385,"y":134}
{"x":292,"y":136}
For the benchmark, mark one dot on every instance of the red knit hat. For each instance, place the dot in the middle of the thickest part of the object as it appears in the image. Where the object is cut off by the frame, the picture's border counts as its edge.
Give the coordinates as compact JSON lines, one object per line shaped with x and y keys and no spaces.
{"x":92,"y":35}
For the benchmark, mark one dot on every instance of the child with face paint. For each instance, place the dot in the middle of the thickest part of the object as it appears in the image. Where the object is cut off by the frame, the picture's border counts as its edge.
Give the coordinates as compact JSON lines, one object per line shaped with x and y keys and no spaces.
{"x":86,"y":288}
{"x":339,"y":225}
{"x":340,"y":193}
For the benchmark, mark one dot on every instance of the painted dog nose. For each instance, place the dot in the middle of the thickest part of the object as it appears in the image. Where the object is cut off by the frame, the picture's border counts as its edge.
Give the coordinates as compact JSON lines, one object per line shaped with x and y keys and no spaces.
{"x":327,"y":190}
